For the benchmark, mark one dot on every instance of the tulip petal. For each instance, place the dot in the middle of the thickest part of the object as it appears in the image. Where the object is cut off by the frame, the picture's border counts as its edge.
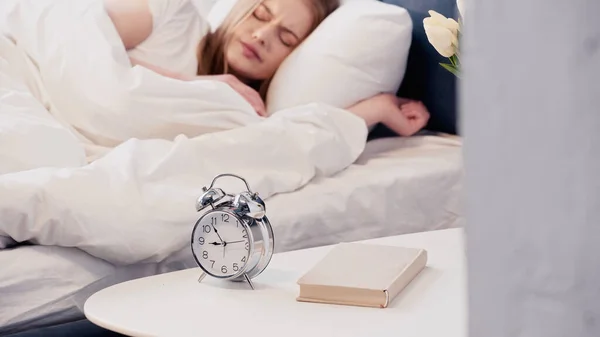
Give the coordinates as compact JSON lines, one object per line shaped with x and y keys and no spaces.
{"x":460,"y":4}
{"x":441,"y":39}
{"x":436,"y":17}
{"x":452,"y":25}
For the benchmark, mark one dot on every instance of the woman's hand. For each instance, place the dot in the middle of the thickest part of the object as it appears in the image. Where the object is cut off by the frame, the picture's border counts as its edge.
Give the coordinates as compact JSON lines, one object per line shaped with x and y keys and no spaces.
{"x":410,"y":119}
{"x":403,"y":116}
{"x":251,"y":95}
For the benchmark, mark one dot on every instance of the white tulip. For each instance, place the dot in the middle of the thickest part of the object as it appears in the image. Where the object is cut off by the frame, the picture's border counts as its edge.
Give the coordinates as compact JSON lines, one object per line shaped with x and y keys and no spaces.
{"x":442,"y":33}
{"x":461,"y":8}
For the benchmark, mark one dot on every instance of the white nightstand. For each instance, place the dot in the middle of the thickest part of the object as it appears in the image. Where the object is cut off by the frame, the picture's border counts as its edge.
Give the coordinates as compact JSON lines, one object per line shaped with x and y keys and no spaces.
{"x":175,"y":304}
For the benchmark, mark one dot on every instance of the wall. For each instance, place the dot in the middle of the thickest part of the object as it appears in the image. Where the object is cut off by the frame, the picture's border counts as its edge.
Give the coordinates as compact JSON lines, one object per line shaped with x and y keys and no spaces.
{"x":530,"y":103}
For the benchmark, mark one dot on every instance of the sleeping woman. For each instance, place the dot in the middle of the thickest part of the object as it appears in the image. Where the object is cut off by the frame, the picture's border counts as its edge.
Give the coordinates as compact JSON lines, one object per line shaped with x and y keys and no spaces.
{"x":169,"y":37}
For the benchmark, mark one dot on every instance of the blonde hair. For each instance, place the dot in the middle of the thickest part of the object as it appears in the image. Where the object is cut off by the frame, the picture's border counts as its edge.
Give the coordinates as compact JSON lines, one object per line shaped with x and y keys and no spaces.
{"x":211,"y":50}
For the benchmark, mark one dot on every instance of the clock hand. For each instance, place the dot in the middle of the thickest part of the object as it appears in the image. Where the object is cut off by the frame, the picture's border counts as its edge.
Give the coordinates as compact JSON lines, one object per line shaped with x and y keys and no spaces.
{"x":213,"y":226}
{"x":215,"y":243}
{"x":236,"y":241}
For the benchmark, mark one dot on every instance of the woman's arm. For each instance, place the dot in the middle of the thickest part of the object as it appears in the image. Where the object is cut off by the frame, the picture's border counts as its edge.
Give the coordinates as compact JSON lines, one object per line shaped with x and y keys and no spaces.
{"x":131,"y":18}
{"x":403,"y":116}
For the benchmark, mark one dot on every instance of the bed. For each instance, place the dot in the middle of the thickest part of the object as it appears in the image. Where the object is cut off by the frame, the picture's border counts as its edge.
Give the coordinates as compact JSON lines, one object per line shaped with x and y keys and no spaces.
{"x":373,"y":198}
{"x":398,"y":185}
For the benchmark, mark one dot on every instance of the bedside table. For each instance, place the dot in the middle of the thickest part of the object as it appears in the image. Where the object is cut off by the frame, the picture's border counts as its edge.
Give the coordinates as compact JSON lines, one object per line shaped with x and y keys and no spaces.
{"x":175,"y":304}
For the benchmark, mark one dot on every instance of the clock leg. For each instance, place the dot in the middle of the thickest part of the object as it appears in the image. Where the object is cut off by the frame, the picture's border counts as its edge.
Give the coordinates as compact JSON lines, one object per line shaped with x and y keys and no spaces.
{"x":249,"y":281}
{"x":201,"y":277}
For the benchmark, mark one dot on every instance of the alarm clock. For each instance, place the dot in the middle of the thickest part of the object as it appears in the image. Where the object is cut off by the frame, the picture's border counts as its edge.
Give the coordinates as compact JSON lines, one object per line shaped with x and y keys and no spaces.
{"x":234,"y":239}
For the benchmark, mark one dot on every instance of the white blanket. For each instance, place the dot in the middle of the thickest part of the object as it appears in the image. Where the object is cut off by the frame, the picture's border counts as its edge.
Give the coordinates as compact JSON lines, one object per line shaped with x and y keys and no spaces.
{"x":98,"y":155}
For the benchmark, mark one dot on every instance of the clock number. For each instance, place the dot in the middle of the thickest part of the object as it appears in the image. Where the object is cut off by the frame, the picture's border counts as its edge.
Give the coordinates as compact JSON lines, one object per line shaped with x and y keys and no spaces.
{"x":205,"y":255}
{"x":243,"y":259}
{"x":213,"y":220}
{"x":201,"y":240}
{"x":245,"y":236}
{"x":213,"y":263}
{"x":223,"y":269}
{"x":235,"y":267}
{"x":206,"y":228}
{"x":247,"y":245}
{"x":225,"y":217}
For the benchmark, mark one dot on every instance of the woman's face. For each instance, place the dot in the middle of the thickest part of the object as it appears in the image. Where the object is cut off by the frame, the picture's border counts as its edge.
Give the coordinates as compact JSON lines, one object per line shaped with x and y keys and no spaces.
{"x":266,"y":37}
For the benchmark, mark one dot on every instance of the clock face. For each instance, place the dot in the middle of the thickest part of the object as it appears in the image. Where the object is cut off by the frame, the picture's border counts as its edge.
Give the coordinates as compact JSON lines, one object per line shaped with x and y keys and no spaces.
{"x":221,"y":244}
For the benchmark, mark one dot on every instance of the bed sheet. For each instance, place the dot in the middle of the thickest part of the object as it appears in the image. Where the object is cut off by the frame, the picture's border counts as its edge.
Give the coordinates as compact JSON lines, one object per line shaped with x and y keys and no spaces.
{"x":397,"y":186}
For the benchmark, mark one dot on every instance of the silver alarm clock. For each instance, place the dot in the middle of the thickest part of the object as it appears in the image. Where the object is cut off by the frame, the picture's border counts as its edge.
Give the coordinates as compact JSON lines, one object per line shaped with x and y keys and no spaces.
{"x":234,"y":239}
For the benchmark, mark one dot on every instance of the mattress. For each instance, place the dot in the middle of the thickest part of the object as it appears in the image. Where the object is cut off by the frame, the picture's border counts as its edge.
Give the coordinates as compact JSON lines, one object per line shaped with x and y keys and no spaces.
{"x":397,"y":186}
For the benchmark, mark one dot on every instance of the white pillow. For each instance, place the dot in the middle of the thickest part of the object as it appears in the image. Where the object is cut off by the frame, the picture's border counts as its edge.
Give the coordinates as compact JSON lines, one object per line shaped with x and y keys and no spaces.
{"x":218,"y":12}
{"x":204,"y":6}
{"x":360,"y":50}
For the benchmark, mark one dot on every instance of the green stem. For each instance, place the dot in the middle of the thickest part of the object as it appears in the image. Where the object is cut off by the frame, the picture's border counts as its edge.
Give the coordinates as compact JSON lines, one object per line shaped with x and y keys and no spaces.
{"x":451,"y":68}
{"x":454,"y":60}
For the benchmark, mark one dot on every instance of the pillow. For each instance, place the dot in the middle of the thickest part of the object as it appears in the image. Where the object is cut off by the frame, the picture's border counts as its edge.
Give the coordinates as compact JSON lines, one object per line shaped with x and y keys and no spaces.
{"x":360,"y":50}
{"x":204,"y":6}
{"x":218,"y":12}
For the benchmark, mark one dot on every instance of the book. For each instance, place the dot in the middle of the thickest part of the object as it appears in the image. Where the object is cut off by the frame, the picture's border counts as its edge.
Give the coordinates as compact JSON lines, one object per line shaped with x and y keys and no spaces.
{"x":361,"y":274}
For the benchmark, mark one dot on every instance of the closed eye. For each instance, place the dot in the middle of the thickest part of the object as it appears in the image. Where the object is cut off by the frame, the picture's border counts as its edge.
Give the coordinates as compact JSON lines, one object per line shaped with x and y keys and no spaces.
{"x":262,"y":13}
{"x":288,"y":38}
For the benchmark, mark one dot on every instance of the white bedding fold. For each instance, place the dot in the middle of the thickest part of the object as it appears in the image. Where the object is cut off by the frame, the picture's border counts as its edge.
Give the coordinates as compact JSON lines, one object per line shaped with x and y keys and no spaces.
{"x":156,"y":141}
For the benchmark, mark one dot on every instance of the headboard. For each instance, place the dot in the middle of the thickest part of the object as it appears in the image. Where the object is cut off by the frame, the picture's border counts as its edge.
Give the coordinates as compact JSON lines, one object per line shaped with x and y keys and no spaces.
{"x":425,"y":79}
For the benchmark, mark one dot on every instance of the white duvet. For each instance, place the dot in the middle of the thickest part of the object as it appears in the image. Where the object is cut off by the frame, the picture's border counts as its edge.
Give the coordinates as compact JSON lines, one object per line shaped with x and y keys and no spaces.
{"x":98,"y":155}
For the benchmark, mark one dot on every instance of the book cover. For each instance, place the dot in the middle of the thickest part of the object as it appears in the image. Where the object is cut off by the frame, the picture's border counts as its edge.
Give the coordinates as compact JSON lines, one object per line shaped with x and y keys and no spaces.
{"x":361,"y":274}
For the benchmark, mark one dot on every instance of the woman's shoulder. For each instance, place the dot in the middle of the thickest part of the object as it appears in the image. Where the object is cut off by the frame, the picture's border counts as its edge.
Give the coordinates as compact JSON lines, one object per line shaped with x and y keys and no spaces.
{"x":178,"y":27}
